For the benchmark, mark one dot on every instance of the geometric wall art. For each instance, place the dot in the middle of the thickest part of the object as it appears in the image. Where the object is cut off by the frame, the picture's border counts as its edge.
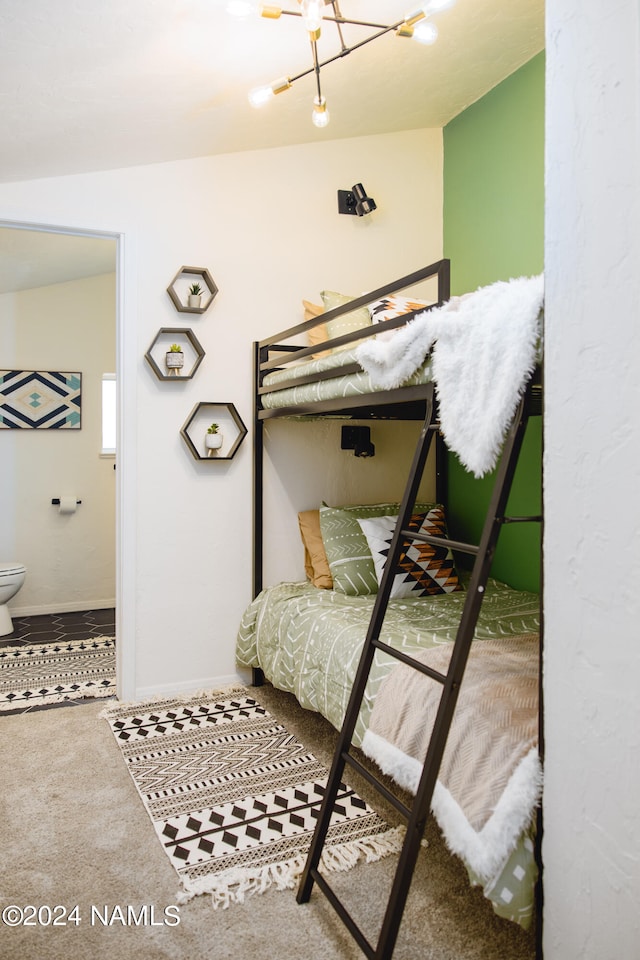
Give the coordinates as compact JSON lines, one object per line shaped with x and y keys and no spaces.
{"x":40,"y":399}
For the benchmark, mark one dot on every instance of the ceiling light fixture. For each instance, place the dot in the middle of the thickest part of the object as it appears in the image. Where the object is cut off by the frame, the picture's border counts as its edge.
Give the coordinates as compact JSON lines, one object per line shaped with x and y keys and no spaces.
{"x":314,"y":13}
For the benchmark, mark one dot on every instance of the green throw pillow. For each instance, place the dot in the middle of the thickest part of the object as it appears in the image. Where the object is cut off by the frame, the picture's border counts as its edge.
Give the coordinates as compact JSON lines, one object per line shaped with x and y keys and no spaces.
{"x":350,"y":561}
{"x":347,"y":322}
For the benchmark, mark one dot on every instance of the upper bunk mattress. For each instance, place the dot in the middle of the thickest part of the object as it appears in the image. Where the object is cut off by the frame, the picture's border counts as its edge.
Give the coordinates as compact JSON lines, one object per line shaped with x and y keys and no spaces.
{"x":340,"y":385}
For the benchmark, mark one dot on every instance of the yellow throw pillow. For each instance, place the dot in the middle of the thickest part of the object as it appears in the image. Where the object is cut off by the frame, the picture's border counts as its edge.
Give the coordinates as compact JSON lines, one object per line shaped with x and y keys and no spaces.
{"x":317,"y":334}
{"x":316,"y":564}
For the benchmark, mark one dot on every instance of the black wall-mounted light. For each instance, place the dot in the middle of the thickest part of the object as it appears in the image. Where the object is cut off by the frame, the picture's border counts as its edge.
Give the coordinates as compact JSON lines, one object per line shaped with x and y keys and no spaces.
{"x":358,"y":439}
{"x":355,"y":201}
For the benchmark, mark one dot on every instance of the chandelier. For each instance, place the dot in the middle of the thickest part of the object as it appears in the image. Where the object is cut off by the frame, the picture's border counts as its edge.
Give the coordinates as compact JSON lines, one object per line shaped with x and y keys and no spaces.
{"x":314,"y":13}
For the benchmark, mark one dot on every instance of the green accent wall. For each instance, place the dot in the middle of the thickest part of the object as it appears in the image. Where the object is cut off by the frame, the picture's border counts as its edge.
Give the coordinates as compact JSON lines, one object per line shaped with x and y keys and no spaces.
{"x":494,"y":230}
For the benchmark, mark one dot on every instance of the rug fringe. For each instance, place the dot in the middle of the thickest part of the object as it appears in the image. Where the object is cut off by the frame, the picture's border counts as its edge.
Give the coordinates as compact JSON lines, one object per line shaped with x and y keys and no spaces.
{"x":100,"y":693}
{"x":233,"y":691}
{"x":234,"y":886}
{"x":50,"y":644}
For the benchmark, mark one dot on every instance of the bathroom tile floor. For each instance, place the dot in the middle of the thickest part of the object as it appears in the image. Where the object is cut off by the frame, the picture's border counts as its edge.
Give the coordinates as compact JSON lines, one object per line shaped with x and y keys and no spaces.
{"x":45,"y":628}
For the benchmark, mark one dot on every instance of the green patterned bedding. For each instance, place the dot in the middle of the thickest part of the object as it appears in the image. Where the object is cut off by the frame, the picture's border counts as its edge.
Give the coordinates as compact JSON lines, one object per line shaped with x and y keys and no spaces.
{"x":308,"y":642}
{"x":342,"y":385}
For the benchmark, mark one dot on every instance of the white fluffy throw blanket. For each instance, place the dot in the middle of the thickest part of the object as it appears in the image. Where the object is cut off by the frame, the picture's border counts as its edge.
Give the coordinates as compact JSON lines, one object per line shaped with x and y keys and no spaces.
{"x":485,"y":347}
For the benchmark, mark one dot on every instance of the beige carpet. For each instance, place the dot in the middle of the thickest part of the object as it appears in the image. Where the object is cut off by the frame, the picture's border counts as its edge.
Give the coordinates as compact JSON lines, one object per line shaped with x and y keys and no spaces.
{"x":74,"y":831}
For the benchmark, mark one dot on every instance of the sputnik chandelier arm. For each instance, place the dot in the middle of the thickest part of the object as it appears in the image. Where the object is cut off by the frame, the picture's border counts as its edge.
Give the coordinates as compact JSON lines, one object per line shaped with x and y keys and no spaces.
{"x":416,"y":25}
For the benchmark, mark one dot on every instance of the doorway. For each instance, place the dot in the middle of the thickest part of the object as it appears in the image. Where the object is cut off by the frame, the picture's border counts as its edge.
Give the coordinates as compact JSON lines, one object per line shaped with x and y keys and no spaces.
{"x":60,"y":313}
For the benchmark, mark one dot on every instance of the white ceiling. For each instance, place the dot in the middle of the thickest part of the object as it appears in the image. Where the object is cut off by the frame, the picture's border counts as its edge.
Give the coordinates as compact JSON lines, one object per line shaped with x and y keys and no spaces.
{"x":100,"y":84}
{"x":36,"y":258}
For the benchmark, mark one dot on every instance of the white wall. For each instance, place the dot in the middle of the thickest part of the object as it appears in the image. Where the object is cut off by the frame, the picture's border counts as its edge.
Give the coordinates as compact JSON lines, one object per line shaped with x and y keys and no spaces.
{"x":322,"y":472}
{"x":591,"y":845}
{"x":266,"y":225}
{"x":70,"y":560}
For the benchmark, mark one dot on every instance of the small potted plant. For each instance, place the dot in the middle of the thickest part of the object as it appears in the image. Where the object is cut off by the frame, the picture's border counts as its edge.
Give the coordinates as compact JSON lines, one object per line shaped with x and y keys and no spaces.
{"x":195,"y":295}
{"x":174,"y":359}
{"x":213,"y":439}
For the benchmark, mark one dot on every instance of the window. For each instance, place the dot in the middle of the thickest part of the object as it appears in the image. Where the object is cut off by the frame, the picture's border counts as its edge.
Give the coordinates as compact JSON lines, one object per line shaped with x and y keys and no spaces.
{"x":109,"y":407}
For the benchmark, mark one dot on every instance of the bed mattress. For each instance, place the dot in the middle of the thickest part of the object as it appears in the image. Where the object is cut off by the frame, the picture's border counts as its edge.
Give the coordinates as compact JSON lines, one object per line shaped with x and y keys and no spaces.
{"x":308,"y":642}
{"x":341,"y":385}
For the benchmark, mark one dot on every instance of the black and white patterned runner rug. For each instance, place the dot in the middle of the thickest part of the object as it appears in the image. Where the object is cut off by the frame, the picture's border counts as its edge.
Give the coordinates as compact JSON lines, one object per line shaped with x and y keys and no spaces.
{"x":234,"y":797}
{"x":37,"y":674}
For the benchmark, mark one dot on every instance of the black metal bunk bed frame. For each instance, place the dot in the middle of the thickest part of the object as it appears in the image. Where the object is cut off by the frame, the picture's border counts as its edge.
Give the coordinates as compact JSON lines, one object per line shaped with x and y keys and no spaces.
{"x":405,"y":403}
{"x":417,"y":402}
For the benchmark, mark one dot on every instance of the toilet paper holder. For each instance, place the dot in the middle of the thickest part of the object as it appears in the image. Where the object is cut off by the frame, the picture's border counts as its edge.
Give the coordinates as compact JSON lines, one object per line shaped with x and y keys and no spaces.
{"x":56,"y":502}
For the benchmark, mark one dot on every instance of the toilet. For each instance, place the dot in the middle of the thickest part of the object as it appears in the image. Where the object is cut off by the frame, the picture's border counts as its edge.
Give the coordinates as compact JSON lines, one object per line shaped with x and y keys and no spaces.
{"x":11,"y":579}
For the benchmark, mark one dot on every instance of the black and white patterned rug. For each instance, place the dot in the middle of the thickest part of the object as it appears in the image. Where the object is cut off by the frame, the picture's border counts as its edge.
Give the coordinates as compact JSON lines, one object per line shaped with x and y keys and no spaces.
{"x":37,"y":674}
{"x":234,"y":797}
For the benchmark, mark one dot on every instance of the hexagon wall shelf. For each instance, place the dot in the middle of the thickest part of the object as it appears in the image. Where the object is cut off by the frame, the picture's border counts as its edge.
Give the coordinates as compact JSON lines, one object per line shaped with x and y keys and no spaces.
{"x":178,"y":289}
{"x":191,"y":348}
{"x":195,"y":428}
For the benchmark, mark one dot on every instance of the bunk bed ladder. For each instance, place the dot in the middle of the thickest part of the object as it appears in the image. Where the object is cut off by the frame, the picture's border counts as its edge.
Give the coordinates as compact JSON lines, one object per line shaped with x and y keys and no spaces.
{"x":416,"y":815}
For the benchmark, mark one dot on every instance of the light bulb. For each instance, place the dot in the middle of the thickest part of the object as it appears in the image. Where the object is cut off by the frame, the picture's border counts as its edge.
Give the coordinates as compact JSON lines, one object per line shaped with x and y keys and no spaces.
{"x":435,"y":6}
{"x":240,"y":8}
{"x":259,"y":96}
{"x":312,"y":11}
{"x":425,"y":32}
{"x":320,"y":114}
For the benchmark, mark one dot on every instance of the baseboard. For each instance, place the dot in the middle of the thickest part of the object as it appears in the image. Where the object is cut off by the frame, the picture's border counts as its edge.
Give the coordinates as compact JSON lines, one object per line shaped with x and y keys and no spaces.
{"x":189,"y":688}
{"x":73,"y":606}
